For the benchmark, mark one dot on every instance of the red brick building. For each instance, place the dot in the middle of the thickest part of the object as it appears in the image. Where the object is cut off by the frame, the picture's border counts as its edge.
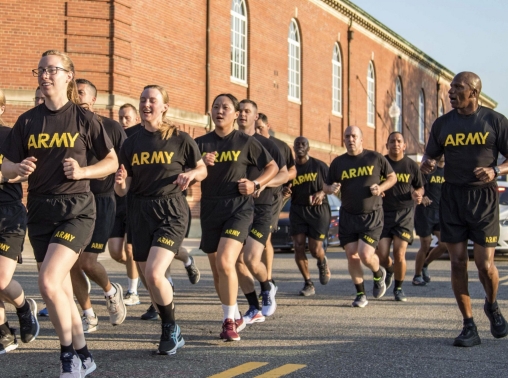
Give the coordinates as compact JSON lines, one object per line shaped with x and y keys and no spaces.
{"x":313,"y":66}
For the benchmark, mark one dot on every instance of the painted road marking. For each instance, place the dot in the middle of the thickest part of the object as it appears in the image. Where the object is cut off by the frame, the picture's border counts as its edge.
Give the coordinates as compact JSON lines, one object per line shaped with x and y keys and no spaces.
{"x":241,"y":369}
{"x":281,"y":371}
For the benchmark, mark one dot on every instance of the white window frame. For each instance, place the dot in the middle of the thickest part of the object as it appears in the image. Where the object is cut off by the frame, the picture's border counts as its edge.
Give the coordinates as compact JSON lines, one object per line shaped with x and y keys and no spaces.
{"x":336,"y":81}
{"x":238,"y":46}
{"x":371,"y":96}
{"x":294,"y":63}
{"x":441,"y":110}
{"x":421,"y":117}
{"x":399,"y":101}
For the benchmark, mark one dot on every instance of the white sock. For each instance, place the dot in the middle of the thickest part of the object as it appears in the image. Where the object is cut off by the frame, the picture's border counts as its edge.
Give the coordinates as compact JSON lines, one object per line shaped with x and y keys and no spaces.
{"x":133,"y":285}
{"x":188,"y":262}
{"x":111,"y":292}
{"x":237,"y":312}
{"x":229,"y":311}
{"x":170,"y":280}
{"x":89,"y":312}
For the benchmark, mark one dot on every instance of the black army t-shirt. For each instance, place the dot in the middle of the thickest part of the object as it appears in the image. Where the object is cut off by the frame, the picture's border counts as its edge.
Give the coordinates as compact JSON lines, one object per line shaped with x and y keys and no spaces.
{"x":356,"y":174}
{"x":154,"y":163}
{"x":235,"y":152}
{"x":52,"y":136}
{"x":133,"y":129}
{"x":309,"y":180}
{"x":468,"y":142}
{"x":286,"y":153}
{"x":117,"y":136}
{"x":408,"y":174}
{"x":266,"y":196}
{"x":8,"y":192}
{"x":433,"y":183}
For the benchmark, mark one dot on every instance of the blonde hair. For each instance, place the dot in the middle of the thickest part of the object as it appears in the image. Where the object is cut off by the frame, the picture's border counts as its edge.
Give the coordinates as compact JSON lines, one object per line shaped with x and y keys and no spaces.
{"x":167,"y":128}
{"x":2,"y":103}
{"x":72,"y":89}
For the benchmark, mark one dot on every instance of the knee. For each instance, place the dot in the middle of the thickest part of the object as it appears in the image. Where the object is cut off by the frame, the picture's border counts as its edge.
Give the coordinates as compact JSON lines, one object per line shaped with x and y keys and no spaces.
{"x":225,"y":267}
{"x":47,"y":288}
{"x":459,"y":265}
{"x":153,"y":278}
{"x":484,"y":267}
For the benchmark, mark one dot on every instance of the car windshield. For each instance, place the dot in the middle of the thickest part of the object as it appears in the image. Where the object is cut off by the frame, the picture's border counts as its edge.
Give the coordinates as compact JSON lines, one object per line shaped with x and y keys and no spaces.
{"x":503,"y":198}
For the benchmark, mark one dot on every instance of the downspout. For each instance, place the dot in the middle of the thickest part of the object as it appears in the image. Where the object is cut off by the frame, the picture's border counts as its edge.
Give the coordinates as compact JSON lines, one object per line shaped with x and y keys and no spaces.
{"x":207,"y":71}
{"x":350,"y":33}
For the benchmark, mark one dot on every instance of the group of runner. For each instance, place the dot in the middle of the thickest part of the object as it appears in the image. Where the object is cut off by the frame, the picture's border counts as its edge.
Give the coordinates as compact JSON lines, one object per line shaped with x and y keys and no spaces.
{"x":84,"y":169}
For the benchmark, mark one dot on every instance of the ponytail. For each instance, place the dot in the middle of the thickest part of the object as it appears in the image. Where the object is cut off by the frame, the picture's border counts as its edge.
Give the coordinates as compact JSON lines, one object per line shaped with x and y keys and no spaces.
{"x":72,"y":88}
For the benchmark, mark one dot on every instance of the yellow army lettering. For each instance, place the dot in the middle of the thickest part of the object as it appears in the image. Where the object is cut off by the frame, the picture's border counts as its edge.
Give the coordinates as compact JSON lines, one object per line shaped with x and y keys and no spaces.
{"x":155,"y":157}
{"x":307,"y":177}
{"x":49,"y":141}
{"x":1,"y":159}
{"x":368,"y":239}
{"x":357,"y":172}
{"x":403,"y":177}
{"x":256,"y":233}
{"x":405,"y":235}
{"x":166,"y":241}
{"x":230,"y":231}
{"x":322,"y":236}
{"x":64,"y":235}
{"x":491,"y":239}
{"x":461,"y":139}
{"x":97,"y":245}
{"x":437,"y":180}
{"x":224,"y":156}
{"x":4,"y":247}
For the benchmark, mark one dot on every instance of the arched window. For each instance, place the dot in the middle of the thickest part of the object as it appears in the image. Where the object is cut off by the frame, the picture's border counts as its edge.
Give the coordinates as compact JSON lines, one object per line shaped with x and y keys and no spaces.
{"x":398,"y":101}
{"x":371,"y":96}
{"x":421,"y":117}
{"x":294,"y":62}
{"x":238,"y":41}
{"x":440,"y":111}
{"x":337,"y":80}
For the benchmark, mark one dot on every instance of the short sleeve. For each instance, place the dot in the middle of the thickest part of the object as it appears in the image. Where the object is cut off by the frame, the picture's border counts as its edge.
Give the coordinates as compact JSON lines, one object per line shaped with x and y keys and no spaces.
{"x":13,"y":147}
{"x":332,"y":172}
{"x":502,"y":138}
{"x":125,"y":159}
{"x":290,"y":160}
{"x":258,"y":155}
{"x":323,"y":171}
{"x":98,"y":139}
{"x":434,"y":149}
{"x":418,"y":179}
{"x":119,"y":137}
{"x":191,"y":152}
{"x":386,"y":167}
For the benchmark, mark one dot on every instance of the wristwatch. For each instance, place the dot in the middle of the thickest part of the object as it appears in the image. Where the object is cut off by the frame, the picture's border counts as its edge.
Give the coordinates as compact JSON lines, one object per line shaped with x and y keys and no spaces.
{"x":257,"y":186}
{"x":497,"y":171}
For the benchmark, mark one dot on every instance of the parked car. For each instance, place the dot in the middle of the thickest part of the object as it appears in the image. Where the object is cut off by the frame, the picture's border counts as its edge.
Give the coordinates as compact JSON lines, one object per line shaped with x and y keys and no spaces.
{"x":281,"y":239}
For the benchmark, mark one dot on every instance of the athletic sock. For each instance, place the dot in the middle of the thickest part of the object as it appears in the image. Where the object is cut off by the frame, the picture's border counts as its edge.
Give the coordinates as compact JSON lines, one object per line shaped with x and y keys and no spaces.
{"x":309,"y":282}
{"x":89,"y":312}
{"x":4,"y":328}
{"x":265,"y":286}
{"x":360,"y":288}
{"x":24,"y":308}
{"x":188,"y":262}
{"x":390,"y":269}
{"x":468,"y":321}
{"x":425,"y":265}
{"x":491,"y":306}
{"x":67,"y":349}
{"x":111,"y":292}
{"x":84,"y":352}
{"x":417,"y":275}
{"x":378,"y":274}
{"x":229,"y":311}
{"x":398,"y":285}
{"x":133,"y":285}
{"x":253,"y":300}
{"x":273,"y":281}
{"x":237,"y":312}
{"x":167,"y":313}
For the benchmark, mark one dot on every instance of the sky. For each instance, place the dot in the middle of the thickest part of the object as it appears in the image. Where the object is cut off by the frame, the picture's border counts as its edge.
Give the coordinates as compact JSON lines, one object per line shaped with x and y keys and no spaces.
{"x":462,"y":35}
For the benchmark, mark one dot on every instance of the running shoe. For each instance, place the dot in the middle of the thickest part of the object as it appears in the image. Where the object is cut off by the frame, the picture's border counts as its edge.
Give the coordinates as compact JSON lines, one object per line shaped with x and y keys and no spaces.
{"x":193,"y":272}
{"x":360,"y":301}
{"x":88,"y":365}
{"x":498,"y":326}
{"x":70,"y":365}
{"x":171,"y":339}
{"x":308,"y":290}
{"x":229,"y":331}
{"x":399,"y":295}
{"x":240,"y":324}
{"x":116,"y":307}
{"x":90,"y":323}
{"x":8,"y":341}
{"x":379,"y":288}
{"x":44,"y":312}
{"x":150,"y":314}
{"x":419,"y":281}
{"x":425,"y":274}
{"x":253,"y":315}
{"x":131,"y":299}
{"x":388,"y":280}
{"x":324,"y":272}
{"x":28,"y":323}
{"x":269,"y":305}
{"x":468,"y":337}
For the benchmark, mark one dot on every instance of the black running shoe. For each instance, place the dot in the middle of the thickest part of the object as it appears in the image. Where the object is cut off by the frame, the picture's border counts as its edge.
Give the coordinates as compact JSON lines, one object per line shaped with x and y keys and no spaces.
{"x":150,"y":314}
{"x":399,"y":295}
{"x":171,"y":339}
{"x":324,"y":272}
{"x":498,"y":326}
{"x":28,"y":324}
{"x":388,"y":279}
{"x":468,"y":337}
{"x":308,"y":290}
{"x":8,"y":341}
{"x":425,"y":274}
{"x":193,"y":272}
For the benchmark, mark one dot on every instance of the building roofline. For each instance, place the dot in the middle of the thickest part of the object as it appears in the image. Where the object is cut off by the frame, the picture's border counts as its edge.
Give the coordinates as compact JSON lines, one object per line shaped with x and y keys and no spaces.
{"x":359,"y":16}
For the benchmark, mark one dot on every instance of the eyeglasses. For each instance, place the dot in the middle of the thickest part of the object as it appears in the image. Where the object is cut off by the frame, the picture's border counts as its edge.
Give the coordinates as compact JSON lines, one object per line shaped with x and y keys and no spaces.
{"x":49,"y":71}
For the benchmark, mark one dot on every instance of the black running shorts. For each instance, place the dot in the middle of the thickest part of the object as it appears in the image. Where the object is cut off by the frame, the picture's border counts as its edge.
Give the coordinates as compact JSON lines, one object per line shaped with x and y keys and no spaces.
{"x":399,"y":223}
{"x":66,"y":219}
{"x":105,"y":210}
{"x":426,"y":221}
{"x":261,"y":225}
{"x":12,"y":229}
{"x":159,"y":222}
{"x":120,"y":226}
{"x":313,"y":221}
{"x":469,"y":213}
{"x":364,"y":227}
{"x":278,"y":204}
{"x":225,"y":218}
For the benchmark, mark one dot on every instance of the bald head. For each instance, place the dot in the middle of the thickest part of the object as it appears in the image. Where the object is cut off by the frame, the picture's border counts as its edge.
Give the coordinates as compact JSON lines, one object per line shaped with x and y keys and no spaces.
{"x":471,"y":79}
{"x":464,"y":92}
{"x":301,"y":147}
{"x":353,"y":129}
{"x":353,"y":140}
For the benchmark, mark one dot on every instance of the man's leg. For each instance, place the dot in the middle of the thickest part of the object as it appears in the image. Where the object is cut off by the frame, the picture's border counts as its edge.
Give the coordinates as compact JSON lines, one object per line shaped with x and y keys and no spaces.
{"x":437,"y":251}
{"x":246,"y":281}
{"x":356,"y":271}
{"x":303,"y":264}
{"x":190,"y":266}
{"x":422,"y":254}
{"x":383,"y":253}
{"x":399,"y":257}
{"x":317,"y":251}
{"x":268,"y":256}
{"x":459,"y":276}
{"x":487,"y":271}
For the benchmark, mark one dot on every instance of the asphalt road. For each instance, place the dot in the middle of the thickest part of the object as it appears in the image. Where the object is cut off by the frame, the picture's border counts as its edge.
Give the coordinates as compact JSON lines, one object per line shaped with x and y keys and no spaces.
{"x":320,"y":336}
